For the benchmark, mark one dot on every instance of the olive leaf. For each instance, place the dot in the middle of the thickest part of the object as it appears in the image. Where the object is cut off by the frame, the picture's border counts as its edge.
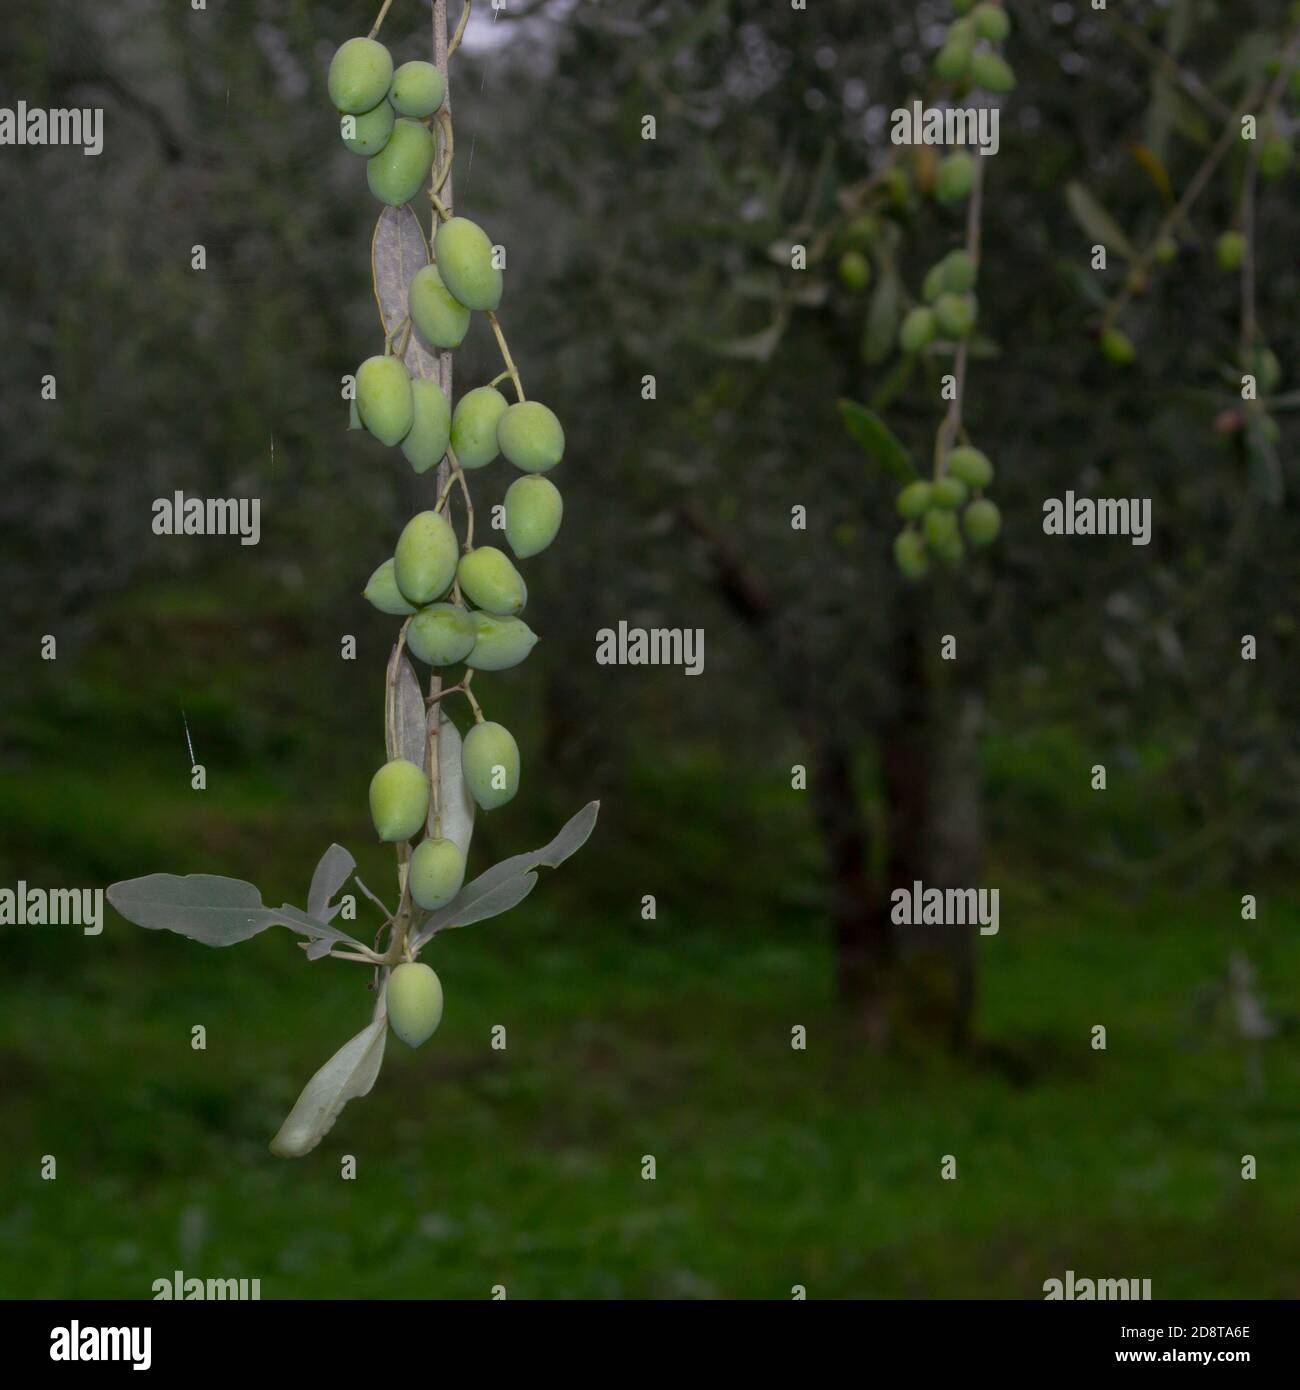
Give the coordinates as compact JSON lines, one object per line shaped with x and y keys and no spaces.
{"x":349,"y":1074}
{"x":501,"y":887}
{"x":881,"y":328}
{"x":406,"y":726}
{"x":881,"y":444}
{"x":397,"y":250}
{"x":1096,"y":221}
{"x":324,"y":937}
{"x":205,"y":907}
{"x":330,"y":875}
{"x":1264,"y":471}
{"x":455,"y":804}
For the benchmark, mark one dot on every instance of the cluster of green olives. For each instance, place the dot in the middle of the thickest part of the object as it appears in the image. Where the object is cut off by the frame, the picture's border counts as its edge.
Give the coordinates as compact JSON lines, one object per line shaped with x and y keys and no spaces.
{"x":950,"y":309}
{"x":931,"y":512}
{"x":463,"y":603}
{"x":383,"y":113}
{"x":967,"y":58}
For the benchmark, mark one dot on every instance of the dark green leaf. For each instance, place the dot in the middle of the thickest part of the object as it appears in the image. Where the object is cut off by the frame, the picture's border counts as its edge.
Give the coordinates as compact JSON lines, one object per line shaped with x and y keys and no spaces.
{"x":880,"y":443}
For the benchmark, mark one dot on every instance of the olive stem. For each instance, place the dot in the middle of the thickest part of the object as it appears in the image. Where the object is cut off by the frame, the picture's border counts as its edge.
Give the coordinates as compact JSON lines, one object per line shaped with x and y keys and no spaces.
{"x":1246,"y":217}
{"x":473,"y":703}
{"x":499,"y":378}
{"x":460,"y":29}
{"x":1170,"y":66}
{"x":442,"y":211}
{"x":449,"y":150}
{"x":511,"y":370}
{"x":383,"y":10}
{"x":370,"y":958}
{"x":951,"y":423}
{"x":442,"y":694}
{"x":1178,"y":213}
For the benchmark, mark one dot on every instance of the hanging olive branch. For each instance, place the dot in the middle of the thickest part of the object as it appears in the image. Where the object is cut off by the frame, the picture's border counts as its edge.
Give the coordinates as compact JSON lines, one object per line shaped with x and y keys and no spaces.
{"x":437,"y":788}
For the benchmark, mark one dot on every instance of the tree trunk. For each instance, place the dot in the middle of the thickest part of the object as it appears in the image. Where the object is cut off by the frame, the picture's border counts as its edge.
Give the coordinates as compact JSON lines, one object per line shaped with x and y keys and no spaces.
{"x":864,"y":954}
{"x":930,"y":776}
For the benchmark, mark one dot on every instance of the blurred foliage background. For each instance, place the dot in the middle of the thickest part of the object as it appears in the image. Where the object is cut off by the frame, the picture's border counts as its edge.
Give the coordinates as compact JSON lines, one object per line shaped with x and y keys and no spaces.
{"x":671,"y":1037}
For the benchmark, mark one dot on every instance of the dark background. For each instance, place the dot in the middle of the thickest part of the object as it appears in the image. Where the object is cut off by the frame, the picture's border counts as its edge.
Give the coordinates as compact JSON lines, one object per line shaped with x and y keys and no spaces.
{"x":671,"y":1037}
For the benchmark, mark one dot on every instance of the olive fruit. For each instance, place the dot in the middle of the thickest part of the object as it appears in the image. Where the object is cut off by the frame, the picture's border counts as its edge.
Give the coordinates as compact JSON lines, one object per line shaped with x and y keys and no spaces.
{"x":1263,"y":365}
{"x":490,"y":761}
{"x":534,"y":509}
{"x":948,"y":493}
{"x":914,"y":500}
{"x":1274,"y":156}
{"x":439,"y":317}
{"x":382,"y":591}
{"x":436,"y":871}
{"x":953,"y":60}
{"x":1166,"y":251}
{"x":417,"y":90}
{"x":992,"y":72}
{"x":531,"y":437}
{"x":384,"y":399}
{"x":359,"y":77}
{"x":958,"y":268}
{"x":940,"y":527}
{"x":425,"y":557}
{"x":414,"y":1002}
{"x":909,"y":554}
{"x":955,"y":176}
{"x":933,"y":285}
{"x":917,"y":330}
{"x":499,"y":643}
{"x":955,"y":314}
{"x":983,"y":521}
{"x":397,"y":173}
{"x":1117,"y":346}
{"x":399,"y":800}
{"x":441,"y":634}
{"x":1230,"y":250}
{"x":426,"y":441}
{"x":367,"y":133}
{"x":969,"y":466}
{"x":474,"y":426}
{"x":491,"y":582}
{"x":991,"y":23}
{"x":464,"y":256}
{"x":855,"y":270}
{"x":951,"y":550}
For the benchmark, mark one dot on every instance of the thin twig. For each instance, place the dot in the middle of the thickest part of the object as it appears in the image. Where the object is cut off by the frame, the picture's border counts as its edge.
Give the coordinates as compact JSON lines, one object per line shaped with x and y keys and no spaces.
{"x":511,"y":370}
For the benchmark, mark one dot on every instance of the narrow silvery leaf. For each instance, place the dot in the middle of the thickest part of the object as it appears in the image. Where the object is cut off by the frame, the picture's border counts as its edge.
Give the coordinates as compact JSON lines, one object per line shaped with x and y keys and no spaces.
{"x":297,"y":920}
{"x":350,"y":1073}
{"x":408,"y":731}
{"x":331,"y":874}
{"x":205,"y":907}
{"x":397,"y":250}
{"x":572,"y":837}
{"x":490,"y":904}
{"x":492,"y":888}
{"x":455,"y":804}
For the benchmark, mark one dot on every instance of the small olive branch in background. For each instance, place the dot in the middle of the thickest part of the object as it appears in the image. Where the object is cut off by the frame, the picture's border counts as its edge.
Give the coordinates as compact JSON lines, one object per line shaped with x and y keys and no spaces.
{"x":1252,"y":380}
{"x":937,"y":333}
{"x":459,"y":603}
